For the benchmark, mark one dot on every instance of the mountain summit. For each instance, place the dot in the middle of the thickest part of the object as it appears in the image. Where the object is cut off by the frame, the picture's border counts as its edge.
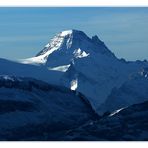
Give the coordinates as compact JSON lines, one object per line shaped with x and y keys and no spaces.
{"x":67,"y":46}
{"x":70,"y":40}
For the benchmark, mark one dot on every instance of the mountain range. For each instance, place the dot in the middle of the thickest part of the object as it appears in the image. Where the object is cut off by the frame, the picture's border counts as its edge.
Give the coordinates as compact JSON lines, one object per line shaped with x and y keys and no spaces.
{"x":76,"y":80}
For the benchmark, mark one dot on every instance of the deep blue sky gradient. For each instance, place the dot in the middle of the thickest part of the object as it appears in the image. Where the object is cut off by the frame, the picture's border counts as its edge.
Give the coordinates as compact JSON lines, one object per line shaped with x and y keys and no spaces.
{"x":25,"y":31}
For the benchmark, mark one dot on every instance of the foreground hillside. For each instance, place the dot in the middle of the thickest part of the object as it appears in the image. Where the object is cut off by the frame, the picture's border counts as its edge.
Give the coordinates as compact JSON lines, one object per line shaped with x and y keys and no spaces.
{"x":30,"y":109}
{"x":128,"y":124}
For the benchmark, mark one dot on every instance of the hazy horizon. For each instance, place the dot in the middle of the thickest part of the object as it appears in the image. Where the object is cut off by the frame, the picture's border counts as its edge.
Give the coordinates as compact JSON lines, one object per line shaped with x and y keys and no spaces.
{"x":25,"y":31}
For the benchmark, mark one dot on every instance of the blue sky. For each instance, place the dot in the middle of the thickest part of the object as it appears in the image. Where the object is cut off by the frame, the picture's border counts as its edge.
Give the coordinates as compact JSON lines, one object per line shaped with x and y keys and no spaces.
{"x":25,"y":31}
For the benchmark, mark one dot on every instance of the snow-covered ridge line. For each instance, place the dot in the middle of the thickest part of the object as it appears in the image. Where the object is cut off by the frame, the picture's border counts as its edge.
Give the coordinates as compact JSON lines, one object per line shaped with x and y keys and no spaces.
{"x":28,"y":84}
{"x":33,"y":60}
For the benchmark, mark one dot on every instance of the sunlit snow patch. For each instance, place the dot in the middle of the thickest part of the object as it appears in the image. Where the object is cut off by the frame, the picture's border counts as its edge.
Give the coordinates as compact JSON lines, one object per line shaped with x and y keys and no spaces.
{"x":74,"y":84}
{"x":78,"y":53}
{"x":116,"y":111}
{"x":62,"y":68}
{"x":34,"y":60}
{"x":65,"y":33}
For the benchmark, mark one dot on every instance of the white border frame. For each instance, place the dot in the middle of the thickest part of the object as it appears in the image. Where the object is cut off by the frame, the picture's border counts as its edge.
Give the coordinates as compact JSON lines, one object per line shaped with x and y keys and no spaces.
{"x":74,"y":3}
{"x":66,"y":3}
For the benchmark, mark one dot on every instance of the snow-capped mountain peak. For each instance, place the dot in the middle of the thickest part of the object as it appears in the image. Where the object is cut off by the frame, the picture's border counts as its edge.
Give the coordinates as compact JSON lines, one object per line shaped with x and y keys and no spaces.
{"x":65,"y":46}
{"x":55,"y":43}
{"x":58,"y":40}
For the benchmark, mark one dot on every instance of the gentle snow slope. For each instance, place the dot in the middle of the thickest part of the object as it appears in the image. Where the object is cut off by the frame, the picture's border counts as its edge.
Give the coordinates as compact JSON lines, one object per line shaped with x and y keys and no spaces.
{"x":17,"y":69}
